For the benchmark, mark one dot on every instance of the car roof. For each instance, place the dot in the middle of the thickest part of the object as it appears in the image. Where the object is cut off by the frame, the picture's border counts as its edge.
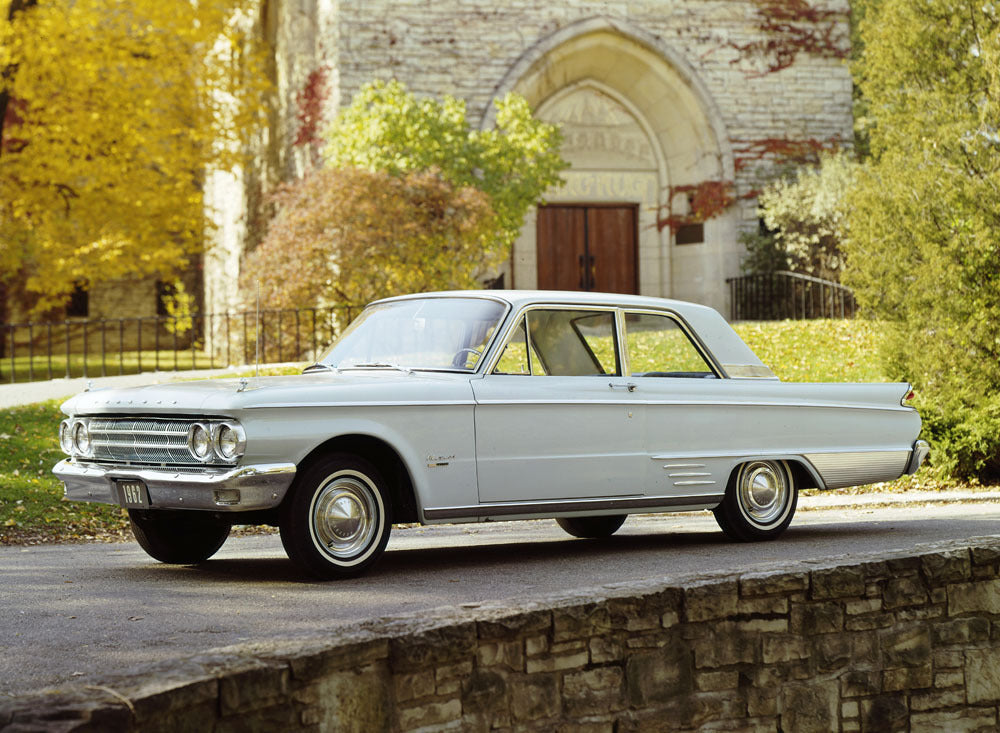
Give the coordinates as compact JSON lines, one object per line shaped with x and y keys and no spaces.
{"x":518,"y":298}
{"x":709,"y":325}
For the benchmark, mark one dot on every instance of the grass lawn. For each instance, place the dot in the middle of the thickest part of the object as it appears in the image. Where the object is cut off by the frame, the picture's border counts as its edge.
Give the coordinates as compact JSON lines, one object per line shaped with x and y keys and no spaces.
{"x":31,"y":505}
{"x":37,"y":367}
{"x":32,"y":509}
{"x":816,"y":351}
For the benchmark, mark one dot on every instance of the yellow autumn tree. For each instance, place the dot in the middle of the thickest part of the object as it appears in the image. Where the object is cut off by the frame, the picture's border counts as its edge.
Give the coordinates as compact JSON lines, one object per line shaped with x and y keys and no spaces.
{"x":111,"y":112}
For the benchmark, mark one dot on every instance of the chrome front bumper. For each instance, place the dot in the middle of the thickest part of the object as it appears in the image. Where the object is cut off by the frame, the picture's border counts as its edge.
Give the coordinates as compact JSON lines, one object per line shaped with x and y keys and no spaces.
{"x":226,"y":489}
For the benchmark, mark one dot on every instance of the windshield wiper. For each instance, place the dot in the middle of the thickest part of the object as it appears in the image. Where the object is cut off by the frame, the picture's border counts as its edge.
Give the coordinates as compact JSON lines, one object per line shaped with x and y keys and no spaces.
{"x":319,"y":367}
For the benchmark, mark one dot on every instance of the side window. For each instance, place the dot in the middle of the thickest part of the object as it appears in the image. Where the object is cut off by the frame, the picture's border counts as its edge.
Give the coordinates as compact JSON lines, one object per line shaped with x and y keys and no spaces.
{"x":573,"y":343}
{"x":658,"y":347}
{"x":517,"y":357}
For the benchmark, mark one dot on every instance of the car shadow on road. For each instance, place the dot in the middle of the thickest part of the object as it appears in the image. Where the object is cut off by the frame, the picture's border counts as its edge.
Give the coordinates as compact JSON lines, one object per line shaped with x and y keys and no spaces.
{"x":488,"y":554}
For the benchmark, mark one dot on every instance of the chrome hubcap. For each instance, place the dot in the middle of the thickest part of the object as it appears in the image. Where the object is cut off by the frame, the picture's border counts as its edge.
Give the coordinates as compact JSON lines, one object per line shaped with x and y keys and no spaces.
{"x":345,"y":515}
{"x":763,"y":491}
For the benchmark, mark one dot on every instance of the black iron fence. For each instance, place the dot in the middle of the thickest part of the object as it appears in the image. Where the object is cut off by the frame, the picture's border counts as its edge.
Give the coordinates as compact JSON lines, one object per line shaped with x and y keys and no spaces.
{"x":781,"y":295}
{"x":110,"y":346}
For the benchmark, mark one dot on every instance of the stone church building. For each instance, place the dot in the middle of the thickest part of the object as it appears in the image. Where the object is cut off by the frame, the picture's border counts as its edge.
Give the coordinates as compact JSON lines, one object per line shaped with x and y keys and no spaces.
{"x":674,"y":112}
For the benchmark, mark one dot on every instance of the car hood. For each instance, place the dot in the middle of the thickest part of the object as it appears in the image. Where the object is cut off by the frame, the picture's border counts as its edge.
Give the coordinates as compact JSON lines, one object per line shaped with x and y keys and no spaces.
{"x":227,"y":396}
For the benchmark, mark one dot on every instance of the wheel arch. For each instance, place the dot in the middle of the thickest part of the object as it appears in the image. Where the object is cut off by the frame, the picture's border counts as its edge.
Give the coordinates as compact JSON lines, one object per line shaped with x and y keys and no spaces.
{"x":803,"y":473}
{"x":385,"y":458}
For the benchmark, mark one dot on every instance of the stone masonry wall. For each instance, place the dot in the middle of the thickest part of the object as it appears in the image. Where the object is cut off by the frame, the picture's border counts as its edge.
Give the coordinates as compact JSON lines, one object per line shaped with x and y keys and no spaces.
{"x":908,"y":641}
{"x":466,"y":47}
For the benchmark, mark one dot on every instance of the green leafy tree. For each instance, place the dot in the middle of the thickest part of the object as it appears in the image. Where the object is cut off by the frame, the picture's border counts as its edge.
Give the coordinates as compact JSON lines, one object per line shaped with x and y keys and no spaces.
{"x":387,"y":128}
{"x":924,"y":216}
{"x":807,"y":215}
{"x":862,"y":118}
{"x":764,"y":255}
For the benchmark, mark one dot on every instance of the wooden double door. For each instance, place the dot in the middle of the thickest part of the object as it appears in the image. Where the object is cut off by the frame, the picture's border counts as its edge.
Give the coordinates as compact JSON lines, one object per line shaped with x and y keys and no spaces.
{"x":588,"y":247}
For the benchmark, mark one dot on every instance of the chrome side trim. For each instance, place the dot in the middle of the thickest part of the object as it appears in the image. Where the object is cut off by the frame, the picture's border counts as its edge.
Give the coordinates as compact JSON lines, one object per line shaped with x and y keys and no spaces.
{"x":395,"y":403}
{"x":686,"y":472}
{"x":860,"y":467}
{"x":554,"y":508}
{"x":697,"y":403}
{"x":261,"y":486}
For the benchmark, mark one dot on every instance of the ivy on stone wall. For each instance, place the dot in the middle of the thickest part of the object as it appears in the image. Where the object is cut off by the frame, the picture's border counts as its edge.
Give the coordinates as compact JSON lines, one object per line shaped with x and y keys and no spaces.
{"x":793,"y":27}
{"x":781,"y":151}
{"x":711,"y":198}
{"x":706,"y":200}
{"x":309,"y":107}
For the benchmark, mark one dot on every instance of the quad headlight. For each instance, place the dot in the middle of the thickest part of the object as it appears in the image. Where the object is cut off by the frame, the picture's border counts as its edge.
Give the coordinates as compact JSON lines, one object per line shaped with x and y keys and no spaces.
{"x":66,"y":437}
{"x":199,"y":441}
{"x":81,"y":438}
{"x":74,"y":437}
{"x":223,"y":441}
{"x":229,"y":441}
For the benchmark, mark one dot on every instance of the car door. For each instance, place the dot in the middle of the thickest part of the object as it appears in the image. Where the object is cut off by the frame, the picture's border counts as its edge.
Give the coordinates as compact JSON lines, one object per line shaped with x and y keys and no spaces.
{"x":554,"y":418}
{"x":691,"y":431}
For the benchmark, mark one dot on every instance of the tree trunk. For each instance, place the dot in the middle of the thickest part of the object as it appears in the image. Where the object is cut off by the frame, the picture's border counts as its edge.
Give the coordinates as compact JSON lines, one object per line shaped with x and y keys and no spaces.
{"x":4,"y":318}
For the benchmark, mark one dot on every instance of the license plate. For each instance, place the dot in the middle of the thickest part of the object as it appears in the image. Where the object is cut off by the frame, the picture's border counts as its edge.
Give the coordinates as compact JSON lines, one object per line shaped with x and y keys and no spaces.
{"x":133,"y":493}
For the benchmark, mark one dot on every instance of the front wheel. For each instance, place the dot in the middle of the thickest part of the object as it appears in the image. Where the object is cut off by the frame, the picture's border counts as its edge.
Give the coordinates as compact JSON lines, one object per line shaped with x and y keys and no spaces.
{"x":759,"y":503}
{"x":337,"y":522}
{"x":178,"y":537}
{"x":591,"y":527}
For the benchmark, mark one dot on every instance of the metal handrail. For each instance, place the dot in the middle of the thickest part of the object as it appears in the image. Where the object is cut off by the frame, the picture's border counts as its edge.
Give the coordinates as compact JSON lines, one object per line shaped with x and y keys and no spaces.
{"x":788,"y":295}
{"x":85,"y":347}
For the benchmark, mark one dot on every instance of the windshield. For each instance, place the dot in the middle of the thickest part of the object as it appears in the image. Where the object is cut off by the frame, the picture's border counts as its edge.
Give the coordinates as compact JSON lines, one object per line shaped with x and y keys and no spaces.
{"x":425,"y":333}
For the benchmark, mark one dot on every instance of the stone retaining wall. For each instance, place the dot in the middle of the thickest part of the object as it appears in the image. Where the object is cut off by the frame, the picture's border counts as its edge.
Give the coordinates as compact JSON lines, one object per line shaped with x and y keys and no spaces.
{"x":908,"y":641}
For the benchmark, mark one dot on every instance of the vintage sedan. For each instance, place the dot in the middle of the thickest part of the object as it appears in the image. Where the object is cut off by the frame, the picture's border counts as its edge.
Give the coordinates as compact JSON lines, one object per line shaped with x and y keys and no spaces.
{"x":482,"y":406}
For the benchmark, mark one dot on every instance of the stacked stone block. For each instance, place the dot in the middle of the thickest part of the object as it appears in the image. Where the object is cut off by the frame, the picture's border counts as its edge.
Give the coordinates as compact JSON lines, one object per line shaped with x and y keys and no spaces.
{"x":907,"y":642}
{"x":466,"y":49}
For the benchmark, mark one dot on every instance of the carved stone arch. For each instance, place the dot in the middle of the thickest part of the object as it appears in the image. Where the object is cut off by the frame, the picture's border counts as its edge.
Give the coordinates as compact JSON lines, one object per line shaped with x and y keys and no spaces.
{"x":547,"y":110}
{"x":538,"y":60}
{"x":657,"y":88}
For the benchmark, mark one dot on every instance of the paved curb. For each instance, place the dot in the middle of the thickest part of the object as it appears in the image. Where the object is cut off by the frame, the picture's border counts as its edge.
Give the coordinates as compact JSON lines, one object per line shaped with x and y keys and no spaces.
{"x":875,"y":499}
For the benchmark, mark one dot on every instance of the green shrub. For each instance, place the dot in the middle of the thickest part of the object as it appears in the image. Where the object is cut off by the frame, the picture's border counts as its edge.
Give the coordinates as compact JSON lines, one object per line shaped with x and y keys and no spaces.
{"x":808,"y":217}
{"x":388,"y":128}
{"x":924,"y":249}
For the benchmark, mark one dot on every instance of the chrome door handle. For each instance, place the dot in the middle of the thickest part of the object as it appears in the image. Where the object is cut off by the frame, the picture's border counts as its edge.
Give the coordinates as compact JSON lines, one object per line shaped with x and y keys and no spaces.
{"x":628,"y":387}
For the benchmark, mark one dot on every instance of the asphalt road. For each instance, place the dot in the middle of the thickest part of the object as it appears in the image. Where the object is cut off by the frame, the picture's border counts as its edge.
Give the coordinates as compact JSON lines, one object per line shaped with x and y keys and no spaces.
{"x":71,"y":613}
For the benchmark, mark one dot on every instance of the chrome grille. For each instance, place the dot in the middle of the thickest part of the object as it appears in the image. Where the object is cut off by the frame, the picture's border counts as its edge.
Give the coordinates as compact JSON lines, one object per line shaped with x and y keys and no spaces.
{"x":140,"y":440}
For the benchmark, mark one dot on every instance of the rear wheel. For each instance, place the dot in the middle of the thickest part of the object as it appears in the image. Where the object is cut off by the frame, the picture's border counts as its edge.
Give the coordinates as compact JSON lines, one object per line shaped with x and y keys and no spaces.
{"x":759,"y":503}
{"x":178,"y":537}
{"x":337,"y":521}
{"x":591,"y":527}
